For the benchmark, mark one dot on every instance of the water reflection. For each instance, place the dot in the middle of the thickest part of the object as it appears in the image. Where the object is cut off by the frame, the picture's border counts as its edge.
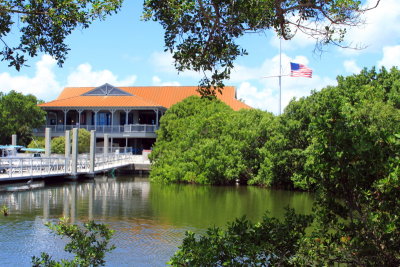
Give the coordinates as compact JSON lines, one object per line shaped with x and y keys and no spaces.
{"x":202,"y":206}
{"x":99,"y":198}
{"x":149,"y":220}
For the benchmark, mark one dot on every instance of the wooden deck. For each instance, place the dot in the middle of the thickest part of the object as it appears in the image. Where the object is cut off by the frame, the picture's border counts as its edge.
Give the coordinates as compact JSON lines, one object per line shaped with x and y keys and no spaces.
{"x":23,"y":168}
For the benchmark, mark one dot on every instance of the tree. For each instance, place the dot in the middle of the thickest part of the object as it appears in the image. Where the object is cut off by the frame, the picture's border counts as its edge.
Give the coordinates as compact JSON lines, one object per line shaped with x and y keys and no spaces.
{"x":89,"y":244}
{"x":343,"y":143}
{"x":19,"y":114}
{"x":353,"y":156}
{"x":58,"y":143}
{"x":204,"y":141}
{"x":202,"y":34}
{"x":268,"y":243}
{"x":44,"y":25}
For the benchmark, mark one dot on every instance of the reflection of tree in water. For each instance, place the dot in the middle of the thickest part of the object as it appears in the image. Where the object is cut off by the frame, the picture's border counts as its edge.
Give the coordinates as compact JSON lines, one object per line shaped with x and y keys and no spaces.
{"x":150,"y":220}
{"x":204,"y":206}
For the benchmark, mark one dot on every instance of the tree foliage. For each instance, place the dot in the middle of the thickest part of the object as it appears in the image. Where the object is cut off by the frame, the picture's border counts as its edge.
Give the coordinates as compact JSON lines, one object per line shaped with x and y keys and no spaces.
{"x":19,"y":114}
{"x":352,"y":156}
{"x":341,"y":143}
{"x":58,"y":143}
{"x":202,"y":35}
{"x":88,"y":244}
{"x":204,"y":141}
{"x":267,"y":243}
{"x":44,"y":25}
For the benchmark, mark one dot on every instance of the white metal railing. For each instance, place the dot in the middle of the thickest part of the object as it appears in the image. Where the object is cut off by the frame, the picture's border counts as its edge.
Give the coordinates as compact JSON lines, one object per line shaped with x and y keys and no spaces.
{"x":128,"y":128}
{"x":47,"y":166}
{"x":23,"y":166}
{"x":107,"y":161}
{"x":117,"y":150}
{"x":133,"y":128}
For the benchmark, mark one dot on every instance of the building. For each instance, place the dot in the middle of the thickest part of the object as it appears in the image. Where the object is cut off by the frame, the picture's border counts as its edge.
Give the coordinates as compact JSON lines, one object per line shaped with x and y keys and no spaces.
{"x":129,"y":115}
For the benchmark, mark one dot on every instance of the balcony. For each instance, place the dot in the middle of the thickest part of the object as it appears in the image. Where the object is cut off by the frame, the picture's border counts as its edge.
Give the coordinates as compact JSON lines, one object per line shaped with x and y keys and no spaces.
{"x":128,"y":130}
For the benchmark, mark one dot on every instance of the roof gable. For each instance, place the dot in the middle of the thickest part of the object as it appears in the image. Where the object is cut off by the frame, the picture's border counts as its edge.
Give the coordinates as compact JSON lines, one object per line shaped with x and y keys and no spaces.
{"x":106,"y":90}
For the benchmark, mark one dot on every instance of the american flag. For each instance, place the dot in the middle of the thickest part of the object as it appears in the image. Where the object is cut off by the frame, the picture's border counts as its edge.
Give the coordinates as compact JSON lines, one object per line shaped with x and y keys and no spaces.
{"x":299,"y":70}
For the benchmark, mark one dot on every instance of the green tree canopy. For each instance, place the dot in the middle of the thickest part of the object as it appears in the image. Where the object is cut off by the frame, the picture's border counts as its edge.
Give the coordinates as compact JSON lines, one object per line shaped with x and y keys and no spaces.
{"x":204,"y":141}
{"x":19,"y":114}
{"x":342,"y":142}
{"x":202,"y":34}
{"x":353,"y":158}
{"x":44,"y":25}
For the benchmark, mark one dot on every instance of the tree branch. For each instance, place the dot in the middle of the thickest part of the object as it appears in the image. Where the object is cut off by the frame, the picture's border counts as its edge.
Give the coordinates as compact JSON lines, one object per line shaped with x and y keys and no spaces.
{"x":4,"y":9}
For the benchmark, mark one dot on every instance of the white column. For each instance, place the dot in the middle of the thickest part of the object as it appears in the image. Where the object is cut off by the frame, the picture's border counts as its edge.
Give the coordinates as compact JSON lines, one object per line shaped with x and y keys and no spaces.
{"x":112,"y":118}
{"x":92,"y":150}
{"x":47,"y":142}
{"x":14,"y":140}
{"x":67,"y":144}
{"x":65,"y":118}
{"x":127,"y":115}
{"x":74,"y":151}
{"x":106,"y":143}
{"x":79,"y":116}
{"x":95,"y":119}
{"x":156,"y":117}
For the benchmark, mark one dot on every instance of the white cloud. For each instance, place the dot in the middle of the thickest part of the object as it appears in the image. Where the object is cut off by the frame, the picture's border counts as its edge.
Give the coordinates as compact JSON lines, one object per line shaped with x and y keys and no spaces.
{"x":164,"y":62}
{"x":85,"y":76}
{"x":351,"y":66}
{"x":157,"y":82}
{"x":43,"y":84}
{"x":391,"y":57}
{"x":270,"y":67}
{"x":266,"y":97}
{"x":263,"y":93}
{"x":300,"y":40}
{"x":380,"y":28}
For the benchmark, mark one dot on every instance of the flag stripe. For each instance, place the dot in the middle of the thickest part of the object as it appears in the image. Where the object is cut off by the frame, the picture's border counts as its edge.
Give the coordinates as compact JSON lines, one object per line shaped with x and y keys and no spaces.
{"x":299,"y":70}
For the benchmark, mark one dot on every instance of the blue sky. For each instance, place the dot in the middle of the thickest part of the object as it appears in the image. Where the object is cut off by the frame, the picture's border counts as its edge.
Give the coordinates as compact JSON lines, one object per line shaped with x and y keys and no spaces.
{"x":125,"y":51}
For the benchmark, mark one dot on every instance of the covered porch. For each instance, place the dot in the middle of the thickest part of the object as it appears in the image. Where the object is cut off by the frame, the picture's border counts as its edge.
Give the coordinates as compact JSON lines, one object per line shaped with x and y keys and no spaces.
{"x":110,"y":121}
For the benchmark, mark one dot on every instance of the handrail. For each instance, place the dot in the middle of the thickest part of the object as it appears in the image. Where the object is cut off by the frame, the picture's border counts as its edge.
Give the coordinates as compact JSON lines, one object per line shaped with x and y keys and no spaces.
{"x":128,"y":128}
{"x":48,"y":166}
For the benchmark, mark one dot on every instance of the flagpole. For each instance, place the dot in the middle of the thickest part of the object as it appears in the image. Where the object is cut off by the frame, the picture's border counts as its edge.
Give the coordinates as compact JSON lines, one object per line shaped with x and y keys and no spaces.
{"x":280,"y":74}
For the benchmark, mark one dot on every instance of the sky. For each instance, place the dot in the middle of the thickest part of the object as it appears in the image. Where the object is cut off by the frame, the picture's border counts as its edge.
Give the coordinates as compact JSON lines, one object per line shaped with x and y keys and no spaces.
{"x":123,"y":50}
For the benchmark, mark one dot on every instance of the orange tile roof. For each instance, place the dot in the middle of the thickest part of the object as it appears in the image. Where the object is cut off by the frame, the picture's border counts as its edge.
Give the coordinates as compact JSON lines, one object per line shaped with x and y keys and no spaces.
{"x":150,"y":96}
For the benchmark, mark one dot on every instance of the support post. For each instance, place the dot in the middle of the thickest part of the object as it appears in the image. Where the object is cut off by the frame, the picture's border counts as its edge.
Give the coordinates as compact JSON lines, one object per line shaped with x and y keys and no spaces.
{"x":156,"y":118}
{"x":47,"y":142}
{"x":65,"y":118}
{"x":14,"y":140}
{"x":92,"y":150}
{"x":127,"y":115}
{"x":79,"y":117}
{"x":74,"y":168}
{"x":112,"y":119}
{"x":106,"y":144}
{"x":67,"y":144}
{"x":95,"y":118}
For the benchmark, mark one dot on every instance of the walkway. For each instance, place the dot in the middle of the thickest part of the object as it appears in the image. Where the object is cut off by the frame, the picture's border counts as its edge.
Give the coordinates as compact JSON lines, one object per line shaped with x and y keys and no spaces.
{"x":22,"y":168}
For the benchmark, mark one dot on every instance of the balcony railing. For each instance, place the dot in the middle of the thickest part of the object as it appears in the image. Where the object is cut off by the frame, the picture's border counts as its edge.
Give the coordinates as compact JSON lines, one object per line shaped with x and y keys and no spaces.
{"x":128,"y":128}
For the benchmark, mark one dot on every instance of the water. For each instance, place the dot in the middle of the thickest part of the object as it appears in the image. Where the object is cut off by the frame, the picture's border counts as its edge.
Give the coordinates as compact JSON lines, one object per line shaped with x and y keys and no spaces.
{"x":149,"y":219}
